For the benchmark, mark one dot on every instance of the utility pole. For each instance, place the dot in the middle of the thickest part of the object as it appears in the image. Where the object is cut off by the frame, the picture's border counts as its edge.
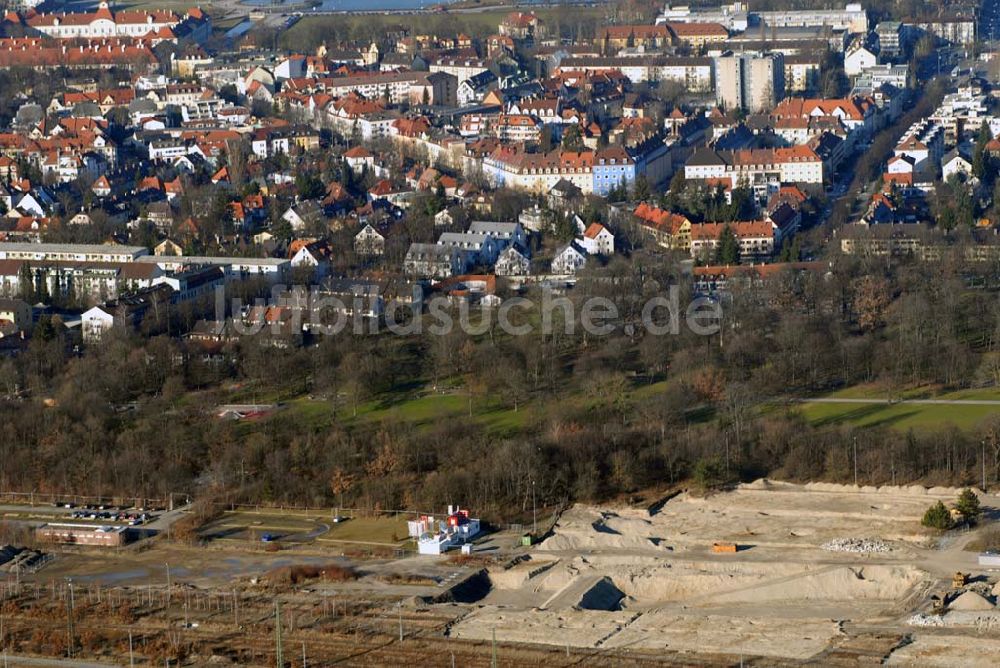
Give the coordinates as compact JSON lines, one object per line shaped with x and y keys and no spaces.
{"x":131,"y":655}
{"x":303,"y":654}
{"x":279,"y":660}
{"x":399,"y":610}
{"x":168,"y":582}
{"x":69,"y":614}
{"x":493,"y":658}
{"x":984,"y":464}
{"x":534,"y":512}
{"x":855,"y":461}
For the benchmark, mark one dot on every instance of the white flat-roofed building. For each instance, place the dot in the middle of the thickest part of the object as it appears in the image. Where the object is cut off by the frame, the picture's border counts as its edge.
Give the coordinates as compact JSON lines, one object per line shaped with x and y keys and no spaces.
{"x":234,"y":268}
{"x":70,"y":252}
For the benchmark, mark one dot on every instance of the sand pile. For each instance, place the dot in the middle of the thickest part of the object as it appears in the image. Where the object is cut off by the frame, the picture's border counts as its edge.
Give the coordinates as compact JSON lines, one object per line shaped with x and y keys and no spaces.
{"x":970,"y":600}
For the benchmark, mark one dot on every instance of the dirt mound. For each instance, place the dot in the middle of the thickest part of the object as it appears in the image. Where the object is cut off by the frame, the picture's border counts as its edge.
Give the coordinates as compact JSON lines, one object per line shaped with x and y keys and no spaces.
{"x":970,"y":600}
{"x":586,"y":528}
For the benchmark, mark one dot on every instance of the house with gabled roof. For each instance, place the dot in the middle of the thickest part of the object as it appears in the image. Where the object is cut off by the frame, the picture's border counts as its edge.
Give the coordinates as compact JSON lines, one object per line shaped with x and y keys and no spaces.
{"x":569,"y":259}
{"x":369,"y":242}
{"x":597,"y":240}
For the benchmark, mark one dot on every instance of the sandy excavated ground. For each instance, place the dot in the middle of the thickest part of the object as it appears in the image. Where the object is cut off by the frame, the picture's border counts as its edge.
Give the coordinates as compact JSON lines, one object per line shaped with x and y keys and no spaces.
{"x":761,"y":515}
{"x":947,"y":651}
{"x":626,"y":578}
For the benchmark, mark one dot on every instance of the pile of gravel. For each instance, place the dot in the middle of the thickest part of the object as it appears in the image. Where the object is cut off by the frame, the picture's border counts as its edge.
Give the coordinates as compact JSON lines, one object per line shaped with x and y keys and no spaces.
{"x":858,"y":545}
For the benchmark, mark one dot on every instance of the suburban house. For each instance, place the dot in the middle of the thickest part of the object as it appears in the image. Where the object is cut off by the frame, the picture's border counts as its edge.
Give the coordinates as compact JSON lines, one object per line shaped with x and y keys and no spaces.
{"x":369,"y":241}
{"x":597,"y":240}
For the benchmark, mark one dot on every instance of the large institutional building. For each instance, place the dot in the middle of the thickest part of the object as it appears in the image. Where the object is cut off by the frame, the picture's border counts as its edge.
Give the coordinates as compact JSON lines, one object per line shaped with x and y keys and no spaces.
{"x":106,"y":23}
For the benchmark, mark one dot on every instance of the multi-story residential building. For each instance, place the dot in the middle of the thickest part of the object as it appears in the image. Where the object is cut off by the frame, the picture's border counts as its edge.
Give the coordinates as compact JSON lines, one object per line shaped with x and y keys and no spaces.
{"x":738,"y":17}
{"x":889,"y":35}
{"x":436,"y":88}
{"x":757,"y":239}
{"x":432,"y":261}
{"x":801,"y":73}
{"x":753,"y":82}
{"x":764,"y":170}
{"x":856,"y":115}
{"x":613,"y":167}
{"x":512,"y":262}
{"x":90,"y":281}
{"x":525,"y":26}
{"x":70,"y":252}
{"x":514,"y":128}
{"x":513,"y":167}
{"x":270,"y":269}
{"x":43,"y":54}
{"x":612,"y":39}
{"x":476,"y":248}
{"x":955,"y":29}
{"x":505,"y":234}
{"x":462,"y":69}
{"x":698,"y":35}
{"x":694,"y":73}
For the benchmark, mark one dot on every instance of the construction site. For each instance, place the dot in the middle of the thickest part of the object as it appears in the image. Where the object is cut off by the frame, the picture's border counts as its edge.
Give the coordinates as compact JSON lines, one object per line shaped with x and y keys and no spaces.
{"x":766,"y":574}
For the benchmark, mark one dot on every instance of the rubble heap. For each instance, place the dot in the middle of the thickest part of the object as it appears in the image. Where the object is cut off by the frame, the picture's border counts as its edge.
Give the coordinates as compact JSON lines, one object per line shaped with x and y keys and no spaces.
{"x":858,"y":545}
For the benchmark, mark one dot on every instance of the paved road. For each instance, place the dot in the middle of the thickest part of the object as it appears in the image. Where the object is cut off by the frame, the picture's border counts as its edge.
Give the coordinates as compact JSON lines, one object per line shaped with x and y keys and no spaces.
{"x":942,"y":402}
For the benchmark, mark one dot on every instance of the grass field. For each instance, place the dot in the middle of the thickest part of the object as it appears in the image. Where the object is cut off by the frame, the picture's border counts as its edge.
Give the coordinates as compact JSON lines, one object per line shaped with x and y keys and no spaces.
{"x":418,"y":409}
{"x":381,"y":530}
{"x":903,"y":416}
{"x":244,"y":525}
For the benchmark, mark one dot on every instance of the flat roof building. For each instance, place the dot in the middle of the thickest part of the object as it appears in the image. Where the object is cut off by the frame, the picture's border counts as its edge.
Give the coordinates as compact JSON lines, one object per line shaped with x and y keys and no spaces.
{"x":83,"y":534}
{"x":14,"y":250}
